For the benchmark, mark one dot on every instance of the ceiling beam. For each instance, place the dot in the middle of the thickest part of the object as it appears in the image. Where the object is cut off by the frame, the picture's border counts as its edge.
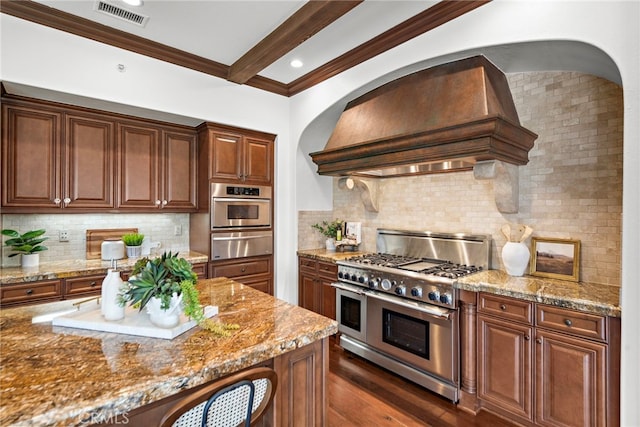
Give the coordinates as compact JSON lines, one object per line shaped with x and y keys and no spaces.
{"x":436,"y":15}
{"x":299,"y":27}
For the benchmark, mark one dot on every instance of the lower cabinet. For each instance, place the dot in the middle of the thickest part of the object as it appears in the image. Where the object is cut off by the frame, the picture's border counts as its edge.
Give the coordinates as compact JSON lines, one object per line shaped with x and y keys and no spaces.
{"x":256,"y":272}
{"x":315,"y":292}
{"x":547,"y":365}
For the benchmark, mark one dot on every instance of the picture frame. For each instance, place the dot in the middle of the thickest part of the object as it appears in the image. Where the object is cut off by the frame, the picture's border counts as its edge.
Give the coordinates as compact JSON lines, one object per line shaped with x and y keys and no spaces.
{"x":555,"y":258}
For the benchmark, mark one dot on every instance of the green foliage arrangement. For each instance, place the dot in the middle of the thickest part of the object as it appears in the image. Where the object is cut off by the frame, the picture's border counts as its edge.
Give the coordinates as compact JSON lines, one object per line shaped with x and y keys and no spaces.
{"x":27,"y":243}
{"x":329,"y":229}
{"x":162,"y":277}
{"x":133,"y":239}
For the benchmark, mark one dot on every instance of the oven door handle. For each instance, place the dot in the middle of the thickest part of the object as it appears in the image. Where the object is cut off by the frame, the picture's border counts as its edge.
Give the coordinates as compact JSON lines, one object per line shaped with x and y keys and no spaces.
{"x":428,"y":309}
{"x":350,"y":288}
{"x":239,"y":199}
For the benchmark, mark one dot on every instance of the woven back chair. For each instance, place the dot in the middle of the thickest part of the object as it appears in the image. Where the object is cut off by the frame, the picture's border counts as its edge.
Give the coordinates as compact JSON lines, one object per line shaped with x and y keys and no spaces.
{"x":237,"y":400}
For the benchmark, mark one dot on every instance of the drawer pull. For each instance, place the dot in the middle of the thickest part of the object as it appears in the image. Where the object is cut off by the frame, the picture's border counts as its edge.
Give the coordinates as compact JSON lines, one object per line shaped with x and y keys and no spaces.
{"x":539,"y":340}
{"x":568,"y":322}
{"x":93,"y":284}
{"x":503,"y":307}
{"x":29,"y":291}
{"x":527,"y":337}
{"x":243,"y":269}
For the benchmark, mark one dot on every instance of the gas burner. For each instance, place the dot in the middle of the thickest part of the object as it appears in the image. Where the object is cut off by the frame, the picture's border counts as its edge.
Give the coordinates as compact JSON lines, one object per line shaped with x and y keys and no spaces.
{"x":383,"y":260}
{"x":451,"y":270}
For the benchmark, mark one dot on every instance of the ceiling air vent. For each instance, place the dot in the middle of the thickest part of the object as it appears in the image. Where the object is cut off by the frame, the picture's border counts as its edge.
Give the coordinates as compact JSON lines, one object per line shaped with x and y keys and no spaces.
{"x":120,"y":13}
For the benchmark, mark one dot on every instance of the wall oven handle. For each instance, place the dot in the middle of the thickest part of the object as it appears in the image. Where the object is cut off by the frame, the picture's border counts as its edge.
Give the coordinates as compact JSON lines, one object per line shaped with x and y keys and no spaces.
{"x":243,"y":237}
{"x":428,"y":309}
{"x":241,"y":200}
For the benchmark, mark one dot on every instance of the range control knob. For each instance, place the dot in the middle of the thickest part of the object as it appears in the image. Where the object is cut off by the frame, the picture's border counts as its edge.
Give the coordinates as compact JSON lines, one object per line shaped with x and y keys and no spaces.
{"x":434,"y":296}
{"x":400,"y":290}
{"x":373,"y":283}
{"x":386,"y":284}
{"x":416,"y":292}
{"x":363,"y":279}
{"x":340,"y":274}
{"x":445,"y":298}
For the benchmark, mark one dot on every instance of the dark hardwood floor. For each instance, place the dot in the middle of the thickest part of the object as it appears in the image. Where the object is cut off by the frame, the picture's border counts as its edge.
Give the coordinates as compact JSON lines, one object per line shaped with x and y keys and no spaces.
{"x":363,"y":394}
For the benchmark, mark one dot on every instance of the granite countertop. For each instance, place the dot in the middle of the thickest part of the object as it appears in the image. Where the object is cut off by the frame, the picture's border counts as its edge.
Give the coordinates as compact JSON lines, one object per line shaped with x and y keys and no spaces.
{"x":57,"y":376}
{"x":76,"y":268}
{"x":587,"y":297}
{"x":582,"y":296}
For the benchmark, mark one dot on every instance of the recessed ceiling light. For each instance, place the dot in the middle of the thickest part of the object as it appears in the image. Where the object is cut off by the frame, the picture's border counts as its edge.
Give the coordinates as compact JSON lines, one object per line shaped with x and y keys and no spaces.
{"x":296,"y":63}
{"x":133,"y":2}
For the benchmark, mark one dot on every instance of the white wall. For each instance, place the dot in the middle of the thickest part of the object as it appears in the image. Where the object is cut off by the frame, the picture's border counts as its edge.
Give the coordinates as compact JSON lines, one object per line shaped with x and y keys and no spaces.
{"x":600,"y":37}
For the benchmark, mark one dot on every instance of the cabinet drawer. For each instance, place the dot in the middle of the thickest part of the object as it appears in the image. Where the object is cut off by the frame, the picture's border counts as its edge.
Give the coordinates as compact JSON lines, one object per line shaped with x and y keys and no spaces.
{"x":328,"y":270}
{"x":506,"y":308}
{"x":240,"y":269}
{"x":307,"y":264}
{"x":83,"y":285}
{"x":200,"y":270}
{"x":15,"y":294}
{"x":572,"y":322}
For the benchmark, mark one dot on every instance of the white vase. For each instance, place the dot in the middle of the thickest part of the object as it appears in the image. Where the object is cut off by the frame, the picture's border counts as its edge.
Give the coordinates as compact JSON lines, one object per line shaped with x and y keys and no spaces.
{"x":330,"y":244}
{"x":515,"y":257}
{"x":165,"y":318}
{"x":30,"y":260}
{"x":134,"y":251}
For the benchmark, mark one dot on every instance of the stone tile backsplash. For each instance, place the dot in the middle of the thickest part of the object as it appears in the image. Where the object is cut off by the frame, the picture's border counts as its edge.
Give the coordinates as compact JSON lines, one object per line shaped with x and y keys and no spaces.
{"x":158,"y":227}
{"x":571,"y":188}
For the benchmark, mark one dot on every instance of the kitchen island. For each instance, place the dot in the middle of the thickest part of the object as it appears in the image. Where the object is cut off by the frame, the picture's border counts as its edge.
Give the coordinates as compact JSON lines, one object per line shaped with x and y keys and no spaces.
{"x":57,"y":376}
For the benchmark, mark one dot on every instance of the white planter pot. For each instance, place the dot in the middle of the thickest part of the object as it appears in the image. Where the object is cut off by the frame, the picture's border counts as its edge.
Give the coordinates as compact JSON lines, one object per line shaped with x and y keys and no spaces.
{"x":165,"y":318}
{"x":515,"y":257}
{"x":30,"y":260}
{"x":134,"y":251}
{"x":330,"y":244}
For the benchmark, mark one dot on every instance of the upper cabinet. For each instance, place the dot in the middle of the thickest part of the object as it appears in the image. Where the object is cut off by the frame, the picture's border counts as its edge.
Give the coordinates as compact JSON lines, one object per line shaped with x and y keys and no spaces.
{"x":53,"y":161}
{"x":157,"y":168}
{"x":59,"y":158}
{"x":236,"y":155}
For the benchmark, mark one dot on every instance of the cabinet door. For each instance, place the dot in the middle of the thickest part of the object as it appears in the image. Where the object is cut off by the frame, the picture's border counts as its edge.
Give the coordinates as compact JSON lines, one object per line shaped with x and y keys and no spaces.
{"x":258,"y":161}
{"x":504,"y":365}
{"x":89,"y":166}
{"x":570,"y":381}
{"x":307,"y":290}
{"x":31,"y":144}
{"x":226,"y":155}
{"x":179,"y":171}
{"x":328,"y":299}
{"x":138,"y":167}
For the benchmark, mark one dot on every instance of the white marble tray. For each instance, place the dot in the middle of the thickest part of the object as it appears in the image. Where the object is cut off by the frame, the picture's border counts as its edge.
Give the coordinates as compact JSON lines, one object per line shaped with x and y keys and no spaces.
{"x":134,"y":323}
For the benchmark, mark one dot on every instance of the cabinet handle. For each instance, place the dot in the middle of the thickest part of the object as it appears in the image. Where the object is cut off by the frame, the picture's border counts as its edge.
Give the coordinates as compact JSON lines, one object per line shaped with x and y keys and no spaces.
{"x":527,"y":337}
{"x":539,"y":340}
{"x":158,"y":202}
{"x":93,"y":284}
{"x":164,"y":203}
{"x":568,"y":322}
{"x":29,"y":291}
{"x":503,"y":307}
{"x":243,"y":269}
{"x":67,"y":200}
{"x":57,"y":200}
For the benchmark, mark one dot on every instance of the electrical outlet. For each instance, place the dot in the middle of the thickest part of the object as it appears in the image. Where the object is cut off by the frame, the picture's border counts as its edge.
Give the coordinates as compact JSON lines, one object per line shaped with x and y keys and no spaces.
{"x":63,"y":235}
{"x":177,"y":230}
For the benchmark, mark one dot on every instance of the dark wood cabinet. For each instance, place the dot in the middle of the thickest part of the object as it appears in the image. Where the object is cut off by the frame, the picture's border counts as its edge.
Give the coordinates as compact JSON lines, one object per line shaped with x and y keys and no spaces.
{"x":235,"y":155}
{"x":30,"y":293}
{"x":256,"y":272}
{"x":315,"y":292}
{"x":547,"y":365}
{"x":54,"y":160}
{"x":157,"y":168}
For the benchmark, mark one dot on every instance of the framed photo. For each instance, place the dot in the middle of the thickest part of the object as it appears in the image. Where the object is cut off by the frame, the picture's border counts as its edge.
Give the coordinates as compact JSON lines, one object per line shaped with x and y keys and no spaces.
{"x":555,"y":258}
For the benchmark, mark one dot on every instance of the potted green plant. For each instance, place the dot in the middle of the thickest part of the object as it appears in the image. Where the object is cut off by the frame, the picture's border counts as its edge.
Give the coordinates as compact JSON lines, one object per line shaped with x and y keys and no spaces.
{"x":165,"y":286}
{"x":28,"y":244}
{"x":332,"y":230}
{"x":133,"y":243}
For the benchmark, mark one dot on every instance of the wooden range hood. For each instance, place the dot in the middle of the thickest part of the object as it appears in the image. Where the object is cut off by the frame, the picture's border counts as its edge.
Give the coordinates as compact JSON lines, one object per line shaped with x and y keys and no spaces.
{"x":443,"y":119}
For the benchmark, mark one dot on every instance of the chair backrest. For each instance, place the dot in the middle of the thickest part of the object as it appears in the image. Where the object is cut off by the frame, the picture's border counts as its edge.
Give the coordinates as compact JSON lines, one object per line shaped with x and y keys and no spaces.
{"x":237,"y":400}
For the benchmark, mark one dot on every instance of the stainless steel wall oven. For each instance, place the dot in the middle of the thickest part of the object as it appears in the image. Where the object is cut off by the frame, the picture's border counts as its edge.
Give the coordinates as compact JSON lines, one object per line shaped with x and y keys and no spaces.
{"x":234,"y":207}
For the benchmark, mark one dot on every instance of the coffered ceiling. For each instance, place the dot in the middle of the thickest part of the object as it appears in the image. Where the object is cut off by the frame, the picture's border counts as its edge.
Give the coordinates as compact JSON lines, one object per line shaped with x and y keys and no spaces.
{"x":249,"y":42}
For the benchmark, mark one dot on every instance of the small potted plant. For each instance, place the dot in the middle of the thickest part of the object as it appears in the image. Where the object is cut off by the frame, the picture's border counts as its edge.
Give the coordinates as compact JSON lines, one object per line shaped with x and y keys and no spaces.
{"x":166,"y":287}
{"x":331,"y":230}
{"x":133,"y":243}
{"x":28,"y":244}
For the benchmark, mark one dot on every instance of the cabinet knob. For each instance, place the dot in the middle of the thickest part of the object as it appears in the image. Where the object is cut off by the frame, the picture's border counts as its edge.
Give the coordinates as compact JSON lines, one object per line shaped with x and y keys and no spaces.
{"x":164,"y":203}
{"x":243,"y":269}
{"x":93,"y":284}
{"x":158,"y":202}
{"x":67,"y":200}
{"x":527,"y":337}
{"x":539,"y":340}
{"x":503,"y":307}
{"x":568,"y":322}
{"x":29,"y":291}
{"x":57,"y":200}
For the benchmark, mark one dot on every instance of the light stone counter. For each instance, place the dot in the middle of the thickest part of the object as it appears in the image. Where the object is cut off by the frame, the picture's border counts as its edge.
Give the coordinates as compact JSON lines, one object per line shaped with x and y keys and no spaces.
{"x":328,"y":256}
{"x":56,"y":376}
{"x":76,"y":268}
{"x":587,"y":297}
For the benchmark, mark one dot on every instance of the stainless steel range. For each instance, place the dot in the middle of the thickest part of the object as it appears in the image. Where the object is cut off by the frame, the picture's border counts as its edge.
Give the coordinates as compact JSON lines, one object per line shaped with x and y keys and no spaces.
{"x":398,"y":307}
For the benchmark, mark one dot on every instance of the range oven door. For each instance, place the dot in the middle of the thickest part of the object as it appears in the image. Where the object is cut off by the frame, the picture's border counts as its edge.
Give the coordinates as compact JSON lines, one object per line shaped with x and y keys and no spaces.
{"x":418,"y":334}
{"x":351,"y":310}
